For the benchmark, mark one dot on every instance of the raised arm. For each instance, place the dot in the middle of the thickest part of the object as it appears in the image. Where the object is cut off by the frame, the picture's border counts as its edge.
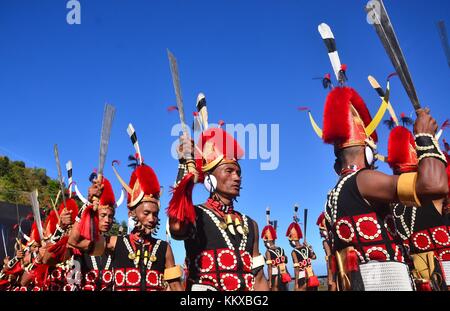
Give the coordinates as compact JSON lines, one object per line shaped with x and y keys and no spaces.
{"x":430,"y":182}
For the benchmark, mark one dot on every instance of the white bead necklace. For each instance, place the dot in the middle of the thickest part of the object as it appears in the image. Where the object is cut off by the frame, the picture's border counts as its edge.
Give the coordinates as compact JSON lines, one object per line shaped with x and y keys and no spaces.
{"x":408,"y":231}
{"x":277,"y":252}
{"x":332,"y":199}
{"x":95,"y":266}
{"x":153,"y":255}
{"x":223,"y":232}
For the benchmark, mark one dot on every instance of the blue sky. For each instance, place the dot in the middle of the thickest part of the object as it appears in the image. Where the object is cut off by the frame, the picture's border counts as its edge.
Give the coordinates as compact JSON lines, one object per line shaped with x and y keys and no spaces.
{"x":254,"y":60}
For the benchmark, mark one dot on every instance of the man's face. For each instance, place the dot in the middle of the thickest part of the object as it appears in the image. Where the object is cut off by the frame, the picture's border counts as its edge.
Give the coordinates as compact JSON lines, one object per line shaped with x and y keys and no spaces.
{"x":147,"y":215}
{"x":228,"y":179}
{"x":105,"y":219}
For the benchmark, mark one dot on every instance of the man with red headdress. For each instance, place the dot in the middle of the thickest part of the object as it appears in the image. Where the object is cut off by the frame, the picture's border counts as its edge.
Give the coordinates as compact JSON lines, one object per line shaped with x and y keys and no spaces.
{"x":96,"y":271}
{"x":51,"y":271}
{"x":140,"y":261}
{"x":276,"y":258}
{"x":302,"y":254}
{"x":368,"y":255}
{"x":26,"y":257}
{"x":221,"y":244}
{"x":422,"y":228}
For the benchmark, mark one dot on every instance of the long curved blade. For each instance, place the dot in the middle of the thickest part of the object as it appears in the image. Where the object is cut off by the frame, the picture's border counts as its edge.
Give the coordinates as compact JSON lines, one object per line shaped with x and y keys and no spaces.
{"x":60,"y":176}
{"x":108,"y":116}
{"x":177,"y":88}
{"x":4,"y":241}
{"x":305,"y":216}
{"x":444,"y":40}
{"x":36,"y":212}
{"x":386,"y":33}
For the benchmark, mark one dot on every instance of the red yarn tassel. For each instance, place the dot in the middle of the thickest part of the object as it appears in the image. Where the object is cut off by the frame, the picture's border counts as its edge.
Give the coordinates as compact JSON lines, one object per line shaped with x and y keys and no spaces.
{"x":181,"y":207}
{"x":424,"y":286}
{"x":17,"y":268}
{"x":285,"y":278}
{"x":58,"y":249}
{"x":89,"y":219}
{"x":313,"y":281}
{"x":40,"y":273}
{"x":352,"y":261}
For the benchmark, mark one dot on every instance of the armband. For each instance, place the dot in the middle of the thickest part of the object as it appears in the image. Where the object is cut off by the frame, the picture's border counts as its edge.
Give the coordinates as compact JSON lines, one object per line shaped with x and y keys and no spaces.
{"x":173,"y":273}
{"x":406,"y":189}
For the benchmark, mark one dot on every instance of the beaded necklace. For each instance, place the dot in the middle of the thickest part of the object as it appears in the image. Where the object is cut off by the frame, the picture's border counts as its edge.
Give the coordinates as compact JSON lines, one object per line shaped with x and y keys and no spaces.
{"x":95,"y":266}
{"x":135,"y":256}
{"x":217,"y":222}
{"x":333,"y":197}
{"x":408,"y":231}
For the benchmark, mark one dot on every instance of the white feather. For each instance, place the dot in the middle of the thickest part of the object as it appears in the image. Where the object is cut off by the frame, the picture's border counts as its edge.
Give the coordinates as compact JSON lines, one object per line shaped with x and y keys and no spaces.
{"x":326,"y":33}
{"x":131,"y":131}
{"x":203,"y":114}
{"x":69,"y":165}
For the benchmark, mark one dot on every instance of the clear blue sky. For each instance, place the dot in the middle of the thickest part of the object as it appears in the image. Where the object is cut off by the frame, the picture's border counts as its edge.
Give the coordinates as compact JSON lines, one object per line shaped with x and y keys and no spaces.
{"x":254,"y":60}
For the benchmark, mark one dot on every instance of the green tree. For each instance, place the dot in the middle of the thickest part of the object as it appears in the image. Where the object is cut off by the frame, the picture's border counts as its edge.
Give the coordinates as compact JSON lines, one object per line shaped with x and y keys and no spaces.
{"x":16,"y":181}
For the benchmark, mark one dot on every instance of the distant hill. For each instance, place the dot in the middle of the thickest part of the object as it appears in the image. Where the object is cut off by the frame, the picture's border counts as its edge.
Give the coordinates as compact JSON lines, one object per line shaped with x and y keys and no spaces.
{"x":16,"y":180}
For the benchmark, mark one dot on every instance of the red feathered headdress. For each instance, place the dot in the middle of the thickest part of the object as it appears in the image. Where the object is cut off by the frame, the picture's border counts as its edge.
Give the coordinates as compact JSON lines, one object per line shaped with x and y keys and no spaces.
{"x":50,"y":223}
{"x":321,"y":221}
{"x":214,"y":147}
{"x":345,"y":118}
{"x":217,"y":146}
{"x":402,"y":156}
{"x":294,"y":233}
{"x":268,"y":233}
{"x":107,"y":199}
{"x":90,"y":214}
{"x":34,"y":235}
{"x":144,"y":186}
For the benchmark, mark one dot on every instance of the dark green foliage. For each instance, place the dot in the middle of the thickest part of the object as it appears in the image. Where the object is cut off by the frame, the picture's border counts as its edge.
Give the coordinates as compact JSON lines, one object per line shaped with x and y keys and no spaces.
{"x":16,"y":180}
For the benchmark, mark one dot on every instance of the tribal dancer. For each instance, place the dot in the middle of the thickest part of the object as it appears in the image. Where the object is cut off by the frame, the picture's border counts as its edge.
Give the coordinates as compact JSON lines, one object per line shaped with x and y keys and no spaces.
{"x":276,"y":258}
{"x":141,"y":261}
{"x":422,"y":228}
{"x":96,"y":271}
{"x":302,"y":254}
{"x":221,"y":243}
